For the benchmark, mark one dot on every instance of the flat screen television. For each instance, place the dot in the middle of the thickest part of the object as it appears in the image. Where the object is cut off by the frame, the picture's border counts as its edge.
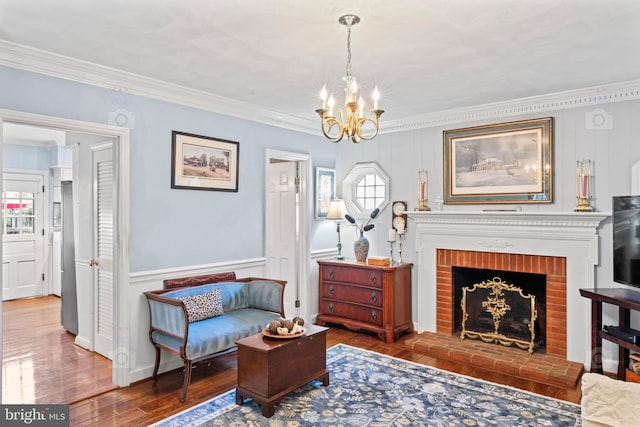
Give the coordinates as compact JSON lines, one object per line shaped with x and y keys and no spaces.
{"x":626,"y":240}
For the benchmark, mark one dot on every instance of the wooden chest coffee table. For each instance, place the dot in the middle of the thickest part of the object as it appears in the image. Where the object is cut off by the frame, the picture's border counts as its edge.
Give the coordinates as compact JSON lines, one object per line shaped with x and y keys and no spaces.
{"x":269,"y":368}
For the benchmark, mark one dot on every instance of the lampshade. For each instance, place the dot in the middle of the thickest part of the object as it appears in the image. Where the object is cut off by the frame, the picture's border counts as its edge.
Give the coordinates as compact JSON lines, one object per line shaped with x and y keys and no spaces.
{"x":337,"y":210}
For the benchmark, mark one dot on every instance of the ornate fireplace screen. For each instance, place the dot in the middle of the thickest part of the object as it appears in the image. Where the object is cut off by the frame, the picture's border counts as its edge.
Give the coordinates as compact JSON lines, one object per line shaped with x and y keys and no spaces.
{"x":497,"y":312}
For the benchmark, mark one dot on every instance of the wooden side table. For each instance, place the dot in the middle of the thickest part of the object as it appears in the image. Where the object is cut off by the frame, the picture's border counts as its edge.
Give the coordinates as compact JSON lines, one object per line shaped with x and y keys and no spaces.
{"x":626,"y":300}
{"x":269,"y":368}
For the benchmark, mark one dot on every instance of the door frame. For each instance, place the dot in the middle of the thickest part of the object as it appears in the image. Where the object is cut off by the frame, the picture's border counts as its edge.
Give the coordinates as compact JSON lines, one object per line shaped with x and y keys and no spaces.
{"x":121,"y":365}
{"x":303,"y":246}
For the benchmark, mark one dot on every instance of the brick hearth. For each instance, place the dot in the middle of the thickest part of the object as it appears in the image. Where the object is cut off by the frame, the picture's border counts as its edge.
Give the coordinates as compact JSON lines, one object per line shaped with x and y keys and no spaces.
{"x":556,"y":293}
{"x":542,"y":368}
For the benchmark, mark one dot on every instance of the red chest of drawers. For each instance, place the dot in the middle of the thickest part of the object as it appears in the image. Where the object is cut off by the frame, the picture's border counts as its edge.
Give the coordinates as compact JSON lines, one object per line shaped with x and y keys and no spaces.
{"x":366,"y":297}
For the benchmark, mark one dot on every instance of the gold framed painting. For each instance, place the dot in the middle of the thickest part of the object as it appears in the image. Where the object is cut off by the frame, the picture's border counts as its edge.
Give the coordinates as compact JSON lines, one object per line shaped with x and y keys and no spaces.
{"x":499,"y":163}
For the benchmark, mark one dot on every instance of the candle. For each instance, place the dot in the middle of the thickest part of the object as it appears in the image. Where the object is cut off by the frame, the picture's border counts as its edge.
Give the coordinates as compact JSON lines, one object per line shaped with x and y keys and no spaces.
{"x":376,"y":98}
{"x":392,"y":235}
{"x":323,"y":96}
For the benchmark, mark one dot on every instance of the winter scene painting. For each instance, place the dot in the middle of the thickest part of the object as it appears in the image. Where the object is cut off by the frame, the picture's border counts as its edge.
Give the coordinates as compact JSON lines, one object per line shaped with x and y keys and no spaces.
{"x":504,"y":163}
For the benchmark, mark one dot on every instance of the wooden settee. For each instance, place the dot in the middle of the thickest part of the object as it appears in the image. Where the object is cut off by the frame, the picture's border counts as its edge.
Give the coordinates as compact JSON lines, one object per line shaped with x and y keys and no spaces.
{"x":247,"y":305}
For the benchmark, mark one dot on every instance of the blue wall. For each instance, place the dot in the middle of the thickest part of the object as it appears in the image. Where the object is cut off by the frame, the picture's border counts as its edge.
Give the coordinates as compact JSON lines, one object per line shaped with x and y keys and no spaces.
{"x":25,"y":157}
{"x":169,"y":227}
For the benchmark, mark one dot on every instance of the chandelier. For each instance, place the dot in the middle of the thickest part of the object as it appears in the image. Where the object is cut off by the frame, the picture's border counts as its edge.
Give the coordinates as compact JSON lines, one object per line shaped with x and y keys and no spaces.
{"x":352,"y":125}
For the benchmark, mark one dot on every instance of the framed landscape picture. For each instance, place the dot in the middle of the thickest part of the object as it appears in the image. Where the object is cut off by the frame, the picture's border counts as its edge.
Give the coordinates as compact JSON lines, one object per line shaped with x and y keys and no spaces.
{"x":501,"y":163}
{"x":203,"y":163}
{"x":325,"y":190}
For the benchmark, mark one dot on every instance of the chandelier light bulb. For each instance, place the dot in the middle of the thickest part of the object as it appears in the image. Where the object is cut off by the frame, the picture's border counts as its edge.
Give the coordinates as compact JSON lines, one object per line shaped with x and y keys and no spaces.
{"x":360,"y":107}
{"x":323,"y":96}
{"x":330,"y":103}
{"x":376,"y":97}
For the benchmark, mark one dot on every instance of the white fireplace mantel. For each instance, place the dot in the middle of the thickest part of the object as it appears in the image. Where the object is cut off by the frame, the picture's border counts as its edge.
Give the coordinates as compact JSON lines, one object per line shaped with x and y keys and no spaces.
{"x":573,"y":235}
{"x":590,"y":220}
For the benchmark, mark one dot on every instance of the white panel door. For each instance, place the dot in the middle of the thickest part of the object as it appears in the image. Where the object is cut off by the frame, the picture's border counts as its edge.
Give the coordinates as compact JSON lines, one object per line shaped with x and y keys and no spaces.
{"x":23,"y":235}
{"x":103,"y":248}
{"x":283,"y":230}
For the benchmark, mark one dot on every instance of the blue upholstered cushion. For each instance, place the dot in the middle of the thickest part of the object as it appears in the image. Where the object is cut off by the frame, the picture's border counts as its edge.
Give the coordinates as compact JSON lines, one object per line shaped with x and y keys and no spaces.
{"x":236,"y":324}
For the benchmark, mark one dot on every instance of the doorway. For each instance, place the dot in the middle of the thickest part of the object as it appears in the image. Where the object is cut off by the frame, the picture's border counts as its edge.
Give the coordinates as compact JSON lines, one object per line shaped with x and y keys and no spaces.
{"x":287,"y":227}
{"x":120,"y":136}
{"x":23,"y":234}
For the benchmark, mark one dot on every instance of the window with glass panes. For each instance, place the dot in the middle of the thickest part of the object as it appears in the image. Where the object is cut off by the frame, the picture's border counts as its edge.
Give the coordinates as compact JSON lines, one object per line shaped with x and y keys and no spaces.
{"x":18,"y":216}
{"x":370,"y":191}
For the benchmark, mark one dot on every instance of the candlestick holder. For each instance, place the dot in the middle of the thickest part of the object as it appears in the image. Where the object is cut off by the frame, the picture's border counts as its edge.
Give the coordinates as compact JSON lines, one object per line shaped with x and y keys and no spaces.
{"x":584,"y":179}
{"x":399,"y":248}
{"x":391,"y":242}
{"x":423,"y":190}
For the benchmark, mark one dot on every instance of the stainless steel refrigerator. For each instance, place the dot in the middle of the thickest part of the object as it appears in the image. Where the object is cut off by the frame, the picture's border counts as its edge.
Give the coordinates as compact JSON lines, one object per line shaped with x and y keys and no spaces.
{"x":68,"y":292}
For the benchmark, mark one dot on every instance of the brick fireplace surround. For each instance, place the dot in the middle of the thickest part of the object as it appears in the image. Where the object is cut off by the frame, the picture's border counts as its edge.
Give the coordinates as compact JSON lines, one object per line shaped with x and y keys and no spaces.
{"x":555,"y":269}
{"x":563,"y":246}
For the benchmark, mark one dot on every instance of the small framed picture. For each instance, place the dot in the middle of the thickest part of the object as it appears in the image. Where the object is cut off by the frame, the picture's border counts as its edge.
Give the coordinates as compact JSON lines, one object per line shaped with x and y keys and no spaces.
{"x":203,"y":163}
{"x":325,"y":190}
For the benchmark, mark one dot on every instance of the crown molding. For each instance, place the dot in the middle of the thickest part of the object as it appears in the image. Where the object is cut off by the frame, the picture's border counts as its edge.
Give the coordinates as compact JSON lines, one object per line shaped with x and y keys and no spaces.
{"x":587,"y":97}
{"x":43,"y":62}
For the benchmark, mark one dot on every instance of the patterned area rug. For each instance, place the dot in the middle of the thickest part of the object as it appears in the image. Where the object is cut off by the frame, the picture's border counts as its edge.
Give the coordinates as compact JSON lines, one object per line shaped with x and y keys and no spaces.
{"x":371,"y":389}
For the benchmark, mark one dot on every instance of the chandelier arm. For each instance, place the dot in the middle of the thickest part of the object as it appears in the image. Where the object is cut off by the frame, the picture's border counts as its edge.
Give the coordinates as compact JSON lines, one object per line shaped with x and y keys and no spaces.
{"x":361,"y":123}
{"x":329,"y":123}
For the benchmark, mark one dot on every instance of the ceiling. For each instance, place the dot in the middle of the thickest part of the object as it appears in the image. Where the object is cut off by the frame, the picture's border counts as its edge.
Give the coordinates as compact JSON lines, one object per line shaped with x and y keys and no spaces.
{"x":424,"y":55}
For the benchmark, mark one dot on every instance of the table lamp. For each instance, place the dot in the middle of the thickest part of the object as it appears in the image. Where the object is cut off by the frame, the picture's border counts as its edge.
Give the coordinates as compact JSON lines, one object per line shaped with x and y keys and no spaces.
{"x":336,"y":213}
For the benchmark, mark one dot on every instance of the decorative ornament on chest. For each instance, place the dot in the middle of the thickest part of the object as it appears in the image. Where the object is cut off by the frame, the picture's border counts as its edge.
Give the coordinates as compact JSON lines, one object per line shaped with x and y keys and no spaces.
{"x":361,"y":245}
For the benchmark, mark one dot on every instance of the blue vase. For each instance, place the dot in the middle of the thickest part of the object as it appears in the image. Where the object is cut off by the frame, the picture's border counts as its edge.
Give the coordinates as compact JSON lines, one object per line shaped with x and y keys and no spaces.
{"x":361,"y":249}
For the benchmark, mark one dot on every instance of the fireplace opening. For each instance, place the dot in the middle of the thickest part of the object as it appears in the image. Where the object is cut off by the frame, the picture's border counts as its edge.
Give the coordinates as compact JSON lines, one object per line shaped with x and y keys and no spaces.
{"x":530,"y":284}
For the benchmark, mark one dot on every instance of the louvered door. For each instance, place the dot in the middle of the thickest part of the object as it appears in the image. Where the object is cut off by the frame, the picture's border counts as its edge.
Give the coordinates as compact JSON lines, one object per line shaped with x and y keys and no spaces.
{"x":103,"y":248}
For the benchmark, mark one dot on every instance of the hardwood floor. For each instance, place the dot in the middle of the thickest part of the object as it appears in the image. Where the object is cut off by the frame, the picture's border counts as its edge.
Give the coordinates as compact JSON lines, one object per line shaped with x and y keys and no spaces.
{"x":147,"y":402}
{"x":40,"y":363}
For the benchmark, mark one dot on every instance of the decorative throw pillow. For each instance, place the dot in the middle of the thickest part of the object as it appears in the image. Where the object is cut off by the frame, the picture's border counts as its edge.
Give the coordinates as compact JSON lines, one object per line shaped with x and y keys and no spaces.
{"x":203,"y":306}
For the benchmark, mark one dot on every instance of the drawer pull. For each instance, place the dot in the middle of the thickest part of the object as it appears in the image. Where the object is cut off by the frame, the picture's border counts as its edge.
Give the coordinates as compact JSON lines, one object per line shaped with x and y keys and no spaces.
{"x":331,"y":272}
{"x":374,"y":315}
{"x":331,"y":308}
{"x":374,"y":278}
{"x":374,"y":297}
{"x":331,"y":290}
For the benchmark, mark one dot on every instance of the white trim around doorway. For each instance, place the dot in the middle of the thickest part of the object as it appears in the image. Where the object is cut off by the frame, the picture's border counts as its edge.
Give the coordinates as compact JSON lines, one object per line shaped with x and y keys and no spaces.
{"x":122,"y":359}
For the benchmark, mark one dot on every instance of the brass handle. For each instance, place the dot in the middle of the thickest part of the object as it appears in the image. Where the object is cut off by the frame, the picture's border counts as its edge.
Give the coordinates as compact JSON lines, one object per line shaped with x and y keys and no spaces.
{"x":374,"y":278}
{"x":331,"y":272}
{"x":374,"y":315}
{"x":331,"y":308}
{"x":374,"y":297}
{"x":93,"y":263}
{"x":331,"y":290}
